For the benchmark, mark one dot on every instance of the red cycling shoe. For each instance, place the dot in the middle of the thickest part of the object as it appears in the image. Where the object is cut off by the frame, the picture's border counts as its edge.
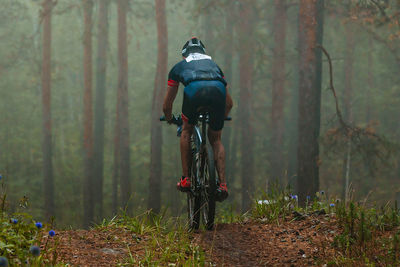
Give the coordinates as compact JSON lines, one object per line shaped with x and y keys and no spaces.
{"x":184,"y":184}
{"x":222,"y":192}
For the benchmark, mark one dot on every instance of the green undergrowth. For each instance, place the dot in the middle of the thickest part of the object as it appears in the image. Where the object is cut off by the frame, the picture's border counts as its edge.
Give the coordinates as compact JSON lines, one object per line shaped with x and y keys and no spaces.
{"x":370,"y":235}
{"x":20,"y":239}
{"x":166,"y":241}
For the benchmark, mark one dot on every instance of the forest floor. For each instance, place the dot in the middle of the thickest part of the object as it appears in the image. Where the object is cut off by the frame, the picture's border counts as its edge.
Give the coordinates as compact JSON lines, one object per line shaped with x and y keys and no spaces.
{"x":252,"y":243}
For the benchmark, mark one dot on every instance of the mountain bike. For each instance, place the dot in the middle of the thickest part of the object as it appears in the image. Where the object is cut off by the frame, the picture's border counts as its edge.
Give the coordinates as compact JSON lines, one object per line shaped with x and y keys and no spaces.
{"x":201,"y":197}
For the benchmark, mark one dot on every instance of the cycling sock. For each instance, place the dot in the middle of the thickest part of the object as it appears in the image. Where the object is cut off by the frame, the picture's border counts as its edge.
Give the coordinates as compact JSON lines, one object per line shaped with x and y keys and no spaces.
{"x":223,"y":186}
{"x":184,"y":184}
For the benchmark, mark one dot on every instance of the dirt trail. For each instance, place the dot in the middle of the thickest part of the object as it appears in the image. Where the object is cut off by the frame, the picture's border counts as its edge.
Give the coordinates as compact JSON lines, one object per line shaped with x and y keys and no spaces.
{"x":293,"y":243}
{"x":296,"y":243}
{"x":95,"y":247}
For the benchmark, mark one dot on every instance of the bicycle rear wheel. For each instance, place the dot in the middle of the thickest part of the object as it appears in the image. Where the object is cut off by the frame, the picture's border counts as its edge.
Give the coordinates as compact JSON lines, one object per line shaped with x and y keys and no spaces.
{"x":208,"y":193}
{"x":193,"y":197}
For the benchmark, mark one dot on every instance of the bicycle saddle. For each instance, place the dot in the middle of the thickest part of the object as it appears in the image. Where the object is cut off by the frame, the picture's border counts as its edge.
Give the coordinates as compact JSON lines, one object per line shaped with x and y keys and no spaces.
{"x":203,"y":110}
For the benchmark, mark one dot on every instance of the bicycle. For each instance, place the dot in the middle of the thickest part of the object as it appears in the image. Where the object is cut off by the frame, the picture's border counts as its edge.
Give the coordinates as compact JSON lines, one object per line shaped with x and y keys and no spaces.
{"x":201,"y":197}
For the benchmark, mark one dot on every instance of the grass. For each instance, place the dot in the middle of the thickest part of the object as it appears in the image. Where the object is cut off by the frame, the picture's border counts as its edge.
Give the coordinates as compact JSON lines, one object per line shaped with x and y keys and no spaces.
{"x":370,"y":236}
{"x":168,"y":243}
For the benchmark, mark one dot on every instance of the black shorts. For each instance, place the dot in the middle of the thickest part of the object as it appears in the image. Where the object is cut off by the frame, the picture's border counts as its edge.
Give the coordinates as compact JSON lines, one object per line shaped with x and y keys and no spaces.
{"x":209,"y":94}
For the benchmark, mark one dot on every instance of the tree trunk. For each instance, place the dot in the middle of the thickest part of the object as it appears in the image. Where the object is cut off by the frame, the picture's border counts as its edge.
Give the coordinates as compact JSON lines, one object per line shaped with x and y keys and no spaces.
{"x":292,"y":125}
{"x":124,"y":157}
{"x":310,"y":23}
{"x":154,"y":201}
{"x":88,"y":192}
{"x":370,"y":80}
{"x":347,"y":100}
{"x":99,"y":114}
{"x":246,"y":78}
{"x":278,"y":95}
{"x":48,"y":179}
{"x":228,"y":44}
{"x":115,"y":174}
{"x":208,"y":30}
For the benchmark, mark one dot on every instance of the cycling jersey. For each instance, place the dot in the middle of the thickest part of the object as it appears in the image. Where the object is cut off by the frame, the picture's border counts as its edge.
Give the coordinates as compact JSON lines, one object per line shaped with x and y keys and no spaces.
{"x":196,"y":67}
{"x":204,"y":87}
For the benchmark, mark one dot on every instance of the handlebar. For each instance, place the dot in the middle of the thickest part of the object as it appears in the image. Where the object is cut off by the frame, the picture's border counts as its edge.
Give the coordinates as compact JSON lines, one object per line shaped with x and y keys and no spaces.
{"x":175,"y":120}
{"x":178,"y":120}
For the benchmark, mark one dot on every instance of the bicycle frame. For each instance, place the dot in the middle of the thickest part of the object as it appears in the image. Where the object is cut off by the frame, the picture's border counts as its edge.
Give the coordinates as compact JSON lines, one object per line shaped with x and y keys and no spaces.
{"x":201,"y":197}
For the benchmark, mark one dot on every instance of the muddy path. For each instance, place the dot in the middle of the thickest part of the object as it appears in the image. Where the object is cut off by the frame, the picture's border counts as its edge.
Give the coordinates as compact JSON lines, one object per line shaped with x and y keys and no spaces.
{"x":292,"y":243}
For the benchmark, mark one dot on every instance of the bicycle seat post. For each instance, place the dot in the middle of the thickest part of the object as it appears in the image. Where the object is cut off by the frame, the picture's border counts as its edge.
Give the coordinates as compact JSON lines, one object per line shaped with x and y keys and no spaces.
{"x":203,"y":117}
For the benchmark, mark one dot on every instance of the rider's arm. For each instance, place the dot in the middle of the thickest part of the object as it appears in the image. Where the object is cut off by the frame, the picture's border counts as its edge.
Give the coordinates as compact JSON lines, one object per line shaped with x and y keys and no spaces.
{"x":229,"y":103}
{"x":169,"y":100}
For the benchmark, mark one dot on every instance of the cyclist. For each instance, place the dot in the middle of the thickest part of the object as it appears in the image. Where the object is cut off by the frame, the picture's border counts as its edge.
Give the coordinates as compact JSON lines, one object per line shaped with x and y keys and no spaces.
{"x":205,"y":86}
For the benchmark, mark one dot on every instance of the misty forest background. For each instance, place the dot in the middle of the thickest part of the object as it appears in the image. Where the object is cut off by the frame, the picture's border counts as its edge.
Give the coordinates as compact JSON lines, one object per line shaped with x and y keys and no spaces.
{"x":101,"y":96}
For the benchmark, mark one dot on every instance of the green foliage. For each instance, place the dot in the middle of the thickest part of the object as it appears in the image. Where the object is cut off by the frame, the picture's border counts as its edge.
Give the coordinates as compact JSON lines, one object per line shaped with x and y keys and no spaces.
{"x":226,"y":213}
{"x":363,"y":234}
{"x":169,"y":242}
{"x":274,"y":206}
{"x":368,"y":236}
{"x":21,"y":236}
{"x":17,"y":234}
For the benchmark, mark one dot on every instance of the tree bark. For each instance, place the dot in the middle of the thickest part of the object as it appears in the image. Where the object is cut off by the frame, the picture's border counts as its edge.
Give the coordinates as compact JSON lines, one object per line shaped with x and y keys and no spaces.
{"x":278,"y":95}
{"x":370,"y":80}
{"x":228,"y":44}
{"x":310,"y":26}
{"x":99,"y":114}
{"x":347,"y":100}
{"x":115,"y":174}
{"x":154,"y":200}
{"x":124,"y":151}
{"x":48,"y":178}
{"x":208,"y":30}
{"x":246,"y":79}
{"x":88,"y":191}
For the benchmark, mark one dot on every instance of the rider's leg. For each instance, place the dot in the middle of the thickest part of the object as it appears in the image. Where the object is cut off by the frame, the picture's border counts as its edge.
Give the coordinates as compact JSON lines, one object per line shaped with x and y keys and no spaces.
{"x":186,"y":156}
{"x":219,"y":153}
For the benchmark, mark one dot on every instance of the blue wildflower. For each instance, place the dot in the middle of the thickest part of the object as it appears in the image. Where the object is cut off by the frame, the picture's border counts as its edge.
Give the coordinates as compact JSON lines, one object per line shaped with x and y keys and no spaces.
{"x":294,"y":197}
{"x":3,"y":262}
{"x":1,"y":176}
{"x":52,"y":233}
{"x":308,"y":197}
{"x":332,"y":205}
{"x":39,"y":225}
{"x":35,"y":250}
{"x":14,"y":221}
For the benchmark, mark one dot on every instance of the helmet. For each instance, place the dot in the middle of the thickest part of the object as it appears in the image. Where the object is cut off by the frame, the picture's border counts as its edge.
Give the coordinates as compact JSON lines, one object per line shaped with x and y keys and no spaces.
{"x":193,"y":45}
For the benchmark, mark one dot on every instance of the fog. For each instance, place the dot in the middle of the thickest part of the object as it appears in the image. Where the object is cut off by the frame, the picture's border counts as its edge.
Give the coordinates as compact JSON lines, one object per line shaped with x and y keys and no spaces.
{"x":257,"y":50}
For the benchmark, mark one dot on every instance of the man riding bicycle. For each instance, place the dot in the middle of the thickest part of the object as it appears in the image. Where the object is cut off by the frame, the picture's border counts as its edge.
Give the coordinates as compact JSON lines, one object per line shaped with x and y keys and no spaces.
{"x":205,"y":86}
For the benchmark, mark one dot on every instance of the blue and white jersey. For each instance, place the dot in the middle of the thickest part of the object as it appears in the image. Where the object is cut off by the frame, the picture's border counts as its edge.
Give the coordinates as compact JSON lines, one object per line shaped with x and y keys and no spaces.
{"x":196,"y":67}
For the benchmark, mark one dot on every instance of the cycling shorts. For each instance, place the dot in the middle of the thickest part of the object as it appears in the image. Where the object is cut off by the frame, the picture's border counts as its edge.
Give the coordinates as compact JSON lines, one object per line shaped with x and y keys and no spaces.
{"x":208,"y":94}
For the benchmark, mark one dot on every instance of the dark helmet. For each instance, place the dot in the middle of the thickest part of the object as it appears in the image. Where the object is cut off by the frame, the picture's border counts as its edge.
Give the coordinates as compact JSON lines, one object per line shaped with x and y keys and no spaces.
{"x":192,"y":46}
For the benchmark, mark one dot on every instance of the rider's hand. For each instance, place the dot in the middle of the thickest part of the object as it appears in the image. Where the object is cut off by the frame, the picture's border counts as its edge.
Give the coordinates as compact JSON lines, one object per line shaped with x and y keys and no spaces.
{"x":169,"y":118}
